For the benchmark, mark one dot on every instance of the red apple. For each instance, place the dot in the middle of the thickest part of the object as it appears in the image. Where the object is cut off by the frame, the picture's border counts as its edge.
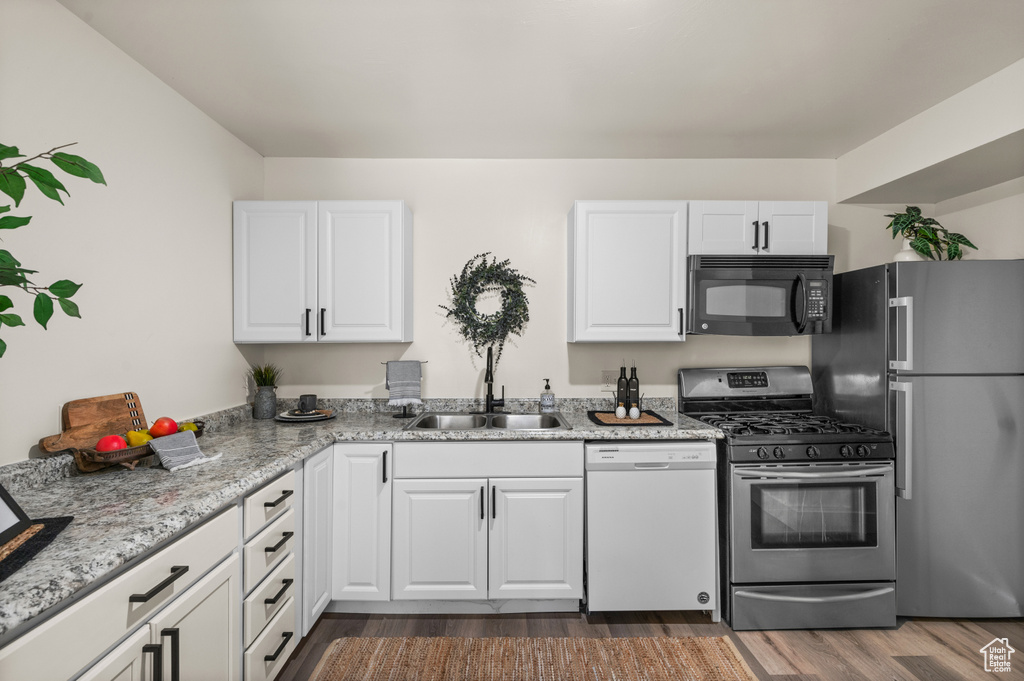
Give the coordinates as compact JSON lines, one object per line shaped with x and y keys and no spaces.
{"x":163,"y":426}
{"x":110,"y":443}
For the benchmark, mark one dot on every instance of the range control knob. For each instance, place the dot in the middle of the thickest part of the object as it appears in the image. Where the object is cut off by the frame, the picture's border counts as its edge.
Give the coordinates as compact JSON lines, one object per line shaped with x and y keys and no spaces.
{"x":846,"y":451}
{"x":779,"y":453}
{"x":812,"y":452}
{"x":862,"y":451}
{"x":762,"y":452}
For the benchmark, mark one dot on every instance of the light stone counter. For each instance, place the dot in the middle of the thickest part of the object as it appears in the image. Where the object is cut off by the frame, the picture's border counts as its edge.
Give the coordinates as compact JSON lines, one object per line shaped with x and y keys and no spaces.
{"x":120,"y":515}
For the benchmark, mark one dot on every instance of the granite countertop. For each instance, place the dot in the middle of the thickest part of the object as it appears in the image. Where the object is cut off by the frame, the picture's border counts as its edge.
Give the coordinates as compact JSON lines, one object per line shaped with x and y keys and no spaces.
{"x":119,"y":515}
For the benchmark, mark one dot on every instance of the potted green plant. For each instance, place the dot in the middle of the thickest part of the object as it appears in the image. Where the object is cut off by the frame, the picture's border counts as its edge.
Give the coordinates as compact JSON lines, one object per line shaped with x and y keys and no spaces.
{"x":264,"y":378}
{"x":13,"y":183}
{"x":926,"y":236}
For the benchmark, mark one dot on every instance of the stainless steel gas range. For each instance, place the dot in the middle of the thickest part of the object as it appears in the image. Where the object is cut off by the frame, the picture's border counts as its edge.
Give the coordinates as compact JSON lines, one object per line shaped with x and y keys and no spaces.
{"x":806,"y":503}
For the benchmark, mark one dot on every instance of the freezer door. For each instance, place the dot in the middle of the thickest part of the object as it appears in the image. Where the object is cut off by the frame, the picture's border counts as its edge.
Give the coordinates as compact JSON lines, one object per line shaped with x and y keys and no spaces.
{"x":960,"y":534}
{"x":961,"y":317}
{"x":849,"y":366}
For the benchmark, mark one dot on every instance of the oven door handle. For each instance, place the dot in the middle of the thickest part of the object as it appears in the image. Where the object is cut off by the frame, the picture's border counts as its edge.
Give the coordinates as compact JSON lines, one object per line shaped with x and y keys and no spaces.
{"x":864,"y":595}
{"x":753,"y":474}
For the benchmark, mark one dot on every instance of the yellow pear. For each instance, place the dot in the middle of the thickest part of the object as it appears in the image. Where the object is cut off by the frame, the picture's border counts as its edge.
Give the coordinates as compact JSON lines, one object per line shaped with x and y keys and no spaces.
{"x":138,"y":437}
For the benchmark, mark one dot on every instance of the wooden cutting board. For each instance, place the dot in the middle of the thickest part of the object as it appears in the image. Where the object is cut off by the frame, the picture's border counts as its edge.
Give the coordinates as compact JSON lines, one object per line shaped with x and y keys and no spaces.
{"x":86,"y":421}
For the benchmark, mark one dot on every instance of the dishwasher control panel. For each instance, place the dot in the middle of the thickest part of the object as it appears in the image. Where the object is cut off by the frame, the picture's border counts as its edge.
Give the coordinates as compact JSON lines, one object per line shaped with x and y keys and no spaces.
{"x":639,"y":456}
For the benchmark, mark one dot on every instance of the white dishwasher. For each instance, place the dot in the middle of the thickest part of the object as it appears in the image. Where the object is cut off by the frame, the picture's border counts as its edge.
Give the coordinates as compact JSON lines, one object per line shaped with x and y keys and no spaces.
{"x":652,"y":526}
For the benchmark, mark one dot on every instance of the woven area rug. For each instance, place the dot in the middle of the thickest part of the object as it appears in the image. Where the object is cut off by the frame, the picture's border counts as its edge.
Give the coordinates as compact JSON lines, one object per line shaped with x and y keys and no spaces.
{"x":532,"y":659}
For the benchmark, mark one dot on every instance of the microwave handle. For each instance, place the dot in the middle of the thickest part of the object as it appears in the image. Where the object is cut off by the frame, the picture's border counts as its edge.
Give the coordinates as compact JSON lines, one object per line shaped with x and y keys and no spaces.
{"x":757,"y":236}
{"x":801,"y":279}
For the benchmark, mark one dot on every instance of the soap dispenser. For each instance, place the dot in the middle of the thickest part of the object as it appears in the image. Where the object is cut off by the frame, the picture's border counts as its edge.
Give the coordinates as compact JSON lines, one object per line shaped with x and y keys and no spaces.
{"x":547,"y":398}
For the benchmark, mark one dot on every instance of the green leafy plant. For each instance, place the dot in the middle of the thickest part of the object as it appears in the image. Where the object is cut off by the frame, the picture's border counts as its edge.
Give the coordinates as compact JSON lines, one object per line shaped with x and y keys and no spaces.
{"x":14,"y":179}
{"x":487,"y":330}
{"x":927,"y":236}
{"x":264,"y":374}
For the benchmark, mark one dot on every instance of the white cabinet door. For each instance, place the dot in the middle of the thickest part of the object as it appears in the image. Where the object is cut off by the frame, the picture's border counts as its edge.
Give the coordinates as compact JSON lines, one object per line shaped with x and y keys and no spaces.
{"x":362,"y":522}
{"x":200,"y":631}
{"x":758,"y":227}
{"x":627,"y":271}
{"x":440,"y":539}
{"x":317,"y":517}
{"x":724,"y":227}
{"x":128,"y":660}
{"x":275,"y":271}
{"x":365,"y":263}
{"x":794,"y":227}
{"x":536,"y":541}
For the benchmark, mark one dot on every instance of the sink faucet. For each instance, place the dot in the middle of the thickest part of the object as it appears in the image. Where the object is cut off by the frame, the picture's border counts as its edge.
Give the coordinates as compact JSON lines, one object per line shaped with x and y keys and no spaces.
{"x":491,"y":402}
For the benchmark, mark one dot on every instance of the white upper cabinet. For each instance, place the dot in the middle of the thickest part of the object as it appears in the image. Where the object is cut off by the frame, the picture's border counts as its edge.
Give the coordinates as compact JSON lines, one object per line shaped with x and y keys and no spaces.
{"x":275,"y":271}
{"x":758,"y":227}
{"x":627,"y":271}
{"x":322,"y":271}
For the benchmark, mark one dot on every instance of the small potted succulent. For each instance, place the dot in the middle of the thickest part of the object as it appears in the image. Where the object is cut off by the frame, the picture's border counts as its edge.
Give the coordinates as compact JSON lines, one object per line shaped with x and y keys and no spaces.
{"x":926,"y":237}
{"x":264,"y":378}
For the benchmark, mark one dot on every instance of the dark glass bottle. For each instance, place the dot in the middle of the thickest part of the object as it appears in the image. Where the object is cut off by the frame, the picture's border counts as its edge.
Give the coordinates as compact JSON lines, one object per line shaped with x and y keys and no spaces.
{"x":622,"y":390}
{"x":634,"y":389}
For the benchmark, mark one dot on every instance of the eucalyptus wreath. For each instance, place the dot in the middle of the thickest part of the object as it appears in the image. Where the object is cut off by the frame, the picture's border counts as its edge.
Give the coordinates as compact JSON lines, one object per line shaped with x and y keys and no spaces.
{"x":484,"y":330}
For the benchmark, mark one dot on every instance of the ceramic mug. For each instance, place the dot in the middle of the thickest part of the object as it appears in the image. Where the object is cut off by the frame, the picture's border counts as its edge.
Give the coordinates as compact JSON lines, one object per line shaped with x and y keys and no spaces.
{"x":307,"y":402}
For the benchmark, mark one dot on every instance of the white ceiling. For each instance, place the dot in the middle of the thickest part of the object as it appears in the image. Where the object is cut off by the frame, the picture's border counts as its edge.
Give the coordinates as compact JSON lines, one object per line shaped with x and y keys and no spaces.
{"x":562,"y":78}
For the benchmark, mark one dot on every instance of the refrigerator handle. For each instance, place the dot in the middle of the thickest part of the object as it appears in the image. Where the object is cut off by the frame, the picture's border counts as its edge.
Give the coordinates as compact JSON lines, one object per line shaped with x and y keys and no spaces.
{"x":905,"y":436}
{"x":907,"y":364}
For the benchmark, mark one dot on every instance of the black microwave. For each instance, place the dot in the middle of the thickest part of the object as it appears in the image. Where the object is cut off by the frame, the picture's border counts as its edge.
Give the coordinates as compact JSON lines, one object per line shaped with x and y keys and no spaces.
{"x":760,"y":295}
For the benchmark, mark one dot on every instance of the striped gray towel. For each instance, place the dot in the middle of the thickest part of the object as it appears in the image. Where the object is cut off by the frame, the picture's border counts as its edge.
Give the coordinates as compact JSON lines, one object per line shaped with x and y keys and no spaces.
{"x":402,"y":379}
{"x":179,"y":451}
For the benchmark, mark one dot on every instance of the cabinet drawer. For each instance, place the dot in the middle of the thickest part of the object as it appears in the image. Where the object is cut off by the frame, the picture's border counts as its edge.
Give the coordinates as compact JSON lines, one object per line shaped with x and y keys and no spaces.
{"x":268,"y":502}
{"x":87,"y":628}
{"x":277,"y":641}
{"x":278,"y":587}
{"x":268,"y":548}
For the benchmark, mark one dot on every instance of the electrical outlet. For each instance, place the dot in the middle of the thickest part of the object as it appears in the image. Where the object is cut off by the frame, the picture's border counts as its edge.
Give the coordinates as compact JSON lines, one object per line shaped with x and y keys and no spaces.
{"x":609,"y":380}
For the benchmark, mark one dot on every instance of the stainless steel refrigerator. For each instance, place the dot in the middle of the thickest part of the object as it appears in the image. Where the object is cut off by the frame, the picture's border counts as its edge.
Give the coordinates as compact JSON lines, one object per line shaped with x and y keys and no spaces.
{"x":933,"y":352}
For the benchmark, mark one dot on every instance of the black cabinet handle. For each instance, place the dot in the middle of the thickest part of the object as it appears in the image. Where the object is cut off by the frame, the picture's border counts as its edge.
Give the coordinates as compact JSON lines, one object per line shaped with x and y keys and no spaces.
{"x":307,"y":321}
{"x":482,"y":495}
{"x":682,"y":321}
{"x":287,"y":583}
{"x":757,"y":233}
{"x":284,"y":538}
{"x":158,"y":660}
{"x":765,"y":225}
{"x":284,"y":495}
{"x":176,"y":572}
{"x":385,"y":467}
{"x":494,"y":502}
{"x":323,"y":311}
{"x":175,"y":656}
{"x":280,"y":649}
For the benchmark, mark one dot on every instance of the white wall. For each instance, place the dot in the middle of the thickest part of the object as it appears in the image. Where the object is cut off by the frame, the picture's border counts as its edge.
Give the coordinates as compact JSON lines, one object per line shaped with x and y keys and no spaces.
{"x":993,"y":219}
{"x":153,"y":248}
{"x":517,"y":209}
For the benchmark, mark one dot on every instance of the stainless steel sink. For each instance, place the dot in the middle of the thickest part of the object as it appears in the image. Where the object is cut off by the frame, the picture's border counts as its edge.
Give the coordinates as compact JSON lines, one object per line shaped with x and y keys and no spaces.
{"x":449,"y":421}
{"x":526,"y":421}
{"x":459,"y":421}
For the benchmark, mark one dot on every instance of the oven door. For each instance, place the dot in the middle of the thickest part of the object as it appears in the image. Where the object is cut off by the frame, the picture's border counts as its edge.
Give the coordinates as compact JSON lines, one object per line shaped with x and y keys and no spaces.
{"x":759,"y":299}
{"x":825,"y":522}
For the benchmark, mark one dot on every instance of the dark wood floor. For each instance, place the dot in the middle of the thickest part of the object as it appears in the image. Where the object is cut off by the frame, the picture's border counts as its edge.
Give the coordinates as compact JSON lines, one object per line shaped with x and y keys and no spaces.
{"x":918,"y":650}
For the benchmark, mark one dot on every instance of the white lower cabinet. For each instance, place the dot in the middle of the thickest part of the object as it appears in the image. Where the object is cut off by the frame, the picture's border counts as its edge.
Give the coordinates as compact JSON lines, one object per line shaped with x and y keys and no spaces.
{"x":361,"y":552}
{"x":488,"y":537}
{"x":479,"y":538}
{"x":317,"y":539}
{"x":536,"y":540}
{"x":440,"y":539}
{"x":199,"y":632}
{"x":128,"y":661}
